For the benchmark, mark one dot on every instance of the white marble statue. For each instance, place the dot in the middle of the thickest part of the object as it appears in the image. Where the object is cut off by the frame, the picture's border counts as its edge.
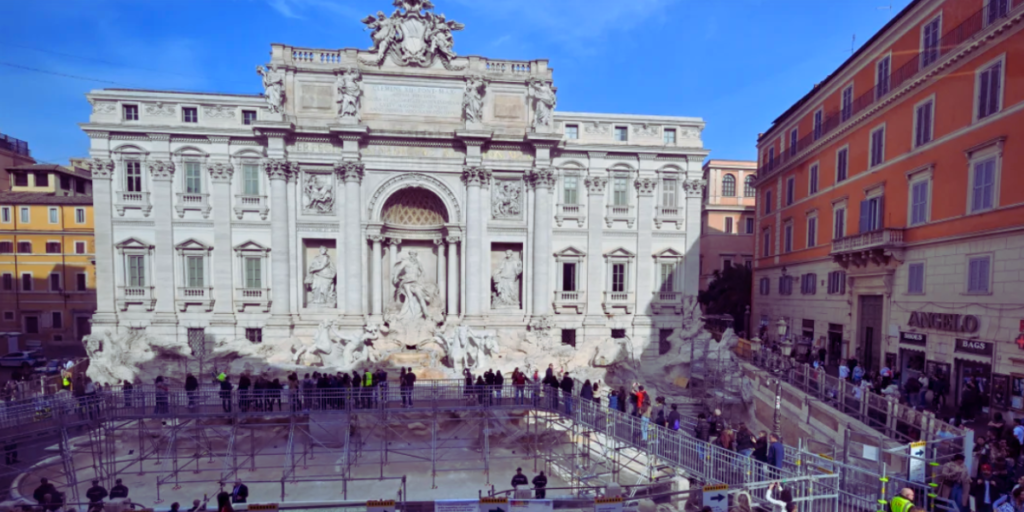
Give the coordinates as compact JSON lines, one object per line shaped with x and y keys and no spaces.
{"x":383,"y":31}
{"x":413,"y":37}
{"x":273,"y":87}
{"x":318,"y":193}
{"x":506,"y":281}
{"x":473,"y":99}
{"x":320,"y":277}
{"x":408,"y":279}
{"x":453,"y":349}
{"x":543,"y":98}
{"x":613,"y":351}
{"x":439,"y":35}
{"x":349,"y":95}
{"x":480,"y":346}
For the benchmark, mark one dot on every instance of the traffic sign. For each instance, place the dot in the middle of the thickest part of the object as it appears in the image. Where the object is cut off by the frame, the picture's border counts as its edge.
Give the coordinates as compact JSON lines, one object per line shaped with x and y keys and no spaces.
{"x":715,"y":497}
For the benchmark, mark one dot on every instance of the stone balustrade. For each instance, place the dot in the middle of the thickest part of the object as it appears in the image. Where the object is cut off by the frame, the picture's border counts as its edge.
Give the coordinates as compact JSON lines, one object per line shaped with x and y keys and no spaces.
{"x":570,"y":212}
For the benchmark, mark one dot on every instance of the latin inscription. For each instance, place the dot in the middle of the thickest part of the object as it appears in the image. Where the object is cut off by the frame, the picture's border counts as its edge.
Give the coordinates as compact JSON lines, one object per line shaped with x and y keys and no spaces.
{"x":316,"y":147}
{"x":411,"y":151}
{"x":507,"y":106}
{"x":316,"y":96}
{"x":409,"y":100}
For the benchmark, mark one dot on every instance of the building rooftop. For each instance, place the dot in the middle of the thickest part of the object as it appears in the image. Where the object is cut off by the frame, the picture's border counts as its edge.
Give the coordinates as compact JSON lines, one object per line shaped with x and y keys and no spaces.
{"x":745,"y":164}
{"x":77,"y":171}
{"x":43,"y":198}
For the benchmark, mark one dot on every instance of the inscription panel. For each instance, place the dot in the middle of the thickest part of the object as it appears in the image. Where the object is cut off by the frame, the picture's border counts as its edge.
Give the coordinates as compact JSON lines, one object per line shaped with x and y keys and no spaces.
{"x":315,"y":96}
{"x":411,"y":100}
{"x":509,"y":106}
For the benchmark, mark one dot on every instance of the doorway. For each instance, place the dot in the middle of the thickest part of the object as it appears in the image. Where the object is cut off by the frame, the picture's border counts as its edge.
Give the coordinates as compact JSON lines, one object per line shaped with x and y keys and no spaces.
{"x":870,"y":330}
{"x":835,"y":344}
{"x":980,"y":372}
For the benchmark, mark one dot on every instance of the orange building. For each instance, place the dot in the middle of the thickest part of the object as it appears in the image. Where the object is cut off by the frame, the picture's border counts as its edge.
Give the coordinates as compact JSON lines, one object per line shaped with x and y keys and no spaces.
{"x":47,"y":253}
{"x":727,"y":223}
{"x":890,"y":218}
{"x":13,"y":153}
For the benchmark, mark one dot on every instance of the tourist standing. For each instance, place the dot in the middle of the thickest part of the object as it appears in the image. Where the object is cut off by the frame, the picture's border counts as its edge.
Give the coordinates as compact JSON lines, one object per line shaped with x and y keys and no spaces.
{"x":224,"y":502}
{"x":119,"y":490}
{"x":499,"y":383}
{"x":225,"y":392}
{"x":519,"y":381}
{"x":401,"y":387}
{"x":127,"y":388}
{"x":519,"y":479}
{"x":673,"y":418}
{"x":239,"y":493}
{"x":567,"y":392}
{"x":540,"y":482}
{"x":191,"y":386}
{"x":244,"y":384}
{"x":96,"y":494}
{"x":162,"y":396}
{"x":776,"y":454}
{"x":410,"y":379}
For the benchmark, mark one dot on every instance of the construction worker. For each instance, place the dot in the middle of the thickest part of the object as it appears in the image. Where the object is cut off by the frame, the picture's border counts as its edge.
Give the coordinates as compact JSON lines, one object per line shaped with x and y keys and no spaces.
{"x":903,"y":501}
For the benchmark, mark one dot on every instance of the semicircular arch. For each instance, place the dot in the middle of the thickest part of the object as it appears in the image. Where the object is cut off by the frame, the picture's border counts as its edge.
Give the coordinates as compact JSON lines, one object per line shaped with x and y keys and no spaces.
{"x":415,"y":181}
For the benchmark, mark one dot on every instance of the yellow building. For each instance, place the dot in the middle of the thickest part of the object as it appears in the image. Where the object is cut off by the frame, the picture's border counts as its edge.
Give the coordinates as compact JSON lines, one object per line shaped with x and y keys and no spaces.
{"x":47,"y":256}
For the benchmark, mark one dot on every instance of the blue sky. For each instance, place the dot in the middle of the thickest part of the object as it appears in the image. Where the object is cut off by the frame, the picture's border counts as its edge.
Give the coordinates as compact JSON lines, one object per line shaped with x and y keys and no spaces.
{"x":736,"y":63}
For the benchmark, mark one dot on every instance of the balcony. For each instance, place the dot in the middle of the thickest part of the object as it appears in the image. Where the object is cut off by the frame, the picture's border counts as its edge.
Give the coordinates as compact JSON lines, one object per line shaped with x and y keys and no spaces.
{"x":625,"y":301}
{"x":619,"y":212}
{"x":142,"y":295}
{"x":194,"y":296}
{"x":256,"y":297}
{"x":124,"y":200}
{"x":871,"y":247}
{"x":665,"y":214}
{"x":667,"y":302}
{"x":191,"y":201}
{"x":246,"y":203}
{"x":571,"y":212}
{"x":575,"y":300}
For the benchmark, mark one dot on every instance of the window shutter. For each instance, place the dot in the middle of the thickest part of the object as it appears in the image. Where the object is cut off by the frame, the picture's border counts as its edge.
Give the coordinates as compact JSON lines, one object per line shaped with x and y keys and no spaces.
{"x":983,"y":274}
{"x":842,"y":283}
{"x":993,"y":96}
{"x":983,"y":94}
{"x":865,"y":216}
{"x":814,"y":284}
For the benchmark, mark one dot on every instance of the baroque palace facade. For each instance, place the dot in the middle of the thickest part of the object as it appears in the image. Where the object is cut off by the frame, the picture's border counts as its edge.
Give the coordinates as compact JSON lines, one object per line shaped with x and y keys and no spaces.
{"x":403,"y":187}
{"x":890,"y":221}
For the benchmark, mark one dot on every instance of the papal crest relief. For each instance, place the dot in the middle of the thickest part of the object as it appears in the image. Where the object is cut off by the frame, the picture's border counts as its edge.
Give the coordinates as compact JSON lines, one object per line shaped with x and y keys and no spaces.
{"x":414,"y":37}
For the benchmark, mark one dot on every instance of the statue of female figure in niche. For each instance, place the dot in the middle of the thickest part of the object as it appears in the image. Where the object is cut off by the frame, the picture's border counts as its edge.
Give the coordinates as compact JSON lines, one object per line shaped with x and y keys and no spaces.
{"x":320,"y":278}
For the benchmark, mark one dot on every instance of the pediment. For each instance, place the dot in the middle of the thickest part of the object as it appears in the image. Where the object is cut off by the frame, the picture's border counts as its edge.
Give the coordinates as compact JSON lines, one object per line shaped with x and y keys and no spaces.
{"x":133,"y":243}
{"x":251,"y":246}
{"x":669,"y":253}
{"x":193,"y":245}
{"x":621,"y":252}
{"x":570,"y":252}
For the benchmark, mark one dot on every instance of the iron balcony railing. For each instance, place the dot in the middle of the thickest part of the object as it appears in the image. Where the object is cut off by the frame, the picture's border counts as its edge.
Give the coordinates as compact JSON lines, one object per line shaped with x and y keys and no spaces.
{"x":13,"y":145}
{"x":880,"y":238}
{"x":990,"y":14}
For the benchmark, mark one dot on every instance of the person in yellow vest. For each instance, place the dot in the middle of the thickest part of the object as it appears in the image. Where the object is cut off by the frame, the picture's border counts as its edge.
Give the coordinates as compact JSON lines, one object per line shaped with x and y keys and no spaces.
{"x":367,"y":389}
{"x":902,"y":502}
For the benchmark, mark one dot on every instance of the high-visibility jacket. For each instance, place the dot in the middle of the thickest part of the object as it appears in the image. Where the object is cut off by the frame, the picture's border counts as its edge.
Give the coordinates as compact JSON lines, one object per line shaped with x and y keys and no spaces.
{"x":221,"y":376}
{"x":368,"y":380}
{"x":900,"y":504}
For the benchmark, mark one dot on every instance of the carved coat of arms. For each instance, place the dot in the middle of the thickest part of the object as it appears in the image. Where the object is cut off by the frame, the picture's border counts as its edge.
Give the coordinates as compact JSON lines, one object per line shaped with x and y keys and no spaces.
{"x":414,"y":37}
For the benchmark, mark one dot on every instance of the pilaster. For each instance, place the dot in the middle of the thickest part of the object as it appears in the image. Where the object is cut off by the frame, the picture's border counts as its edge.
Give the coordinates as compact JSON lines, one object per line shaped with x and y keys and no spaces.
{"x":453,"y":275}
{"x":475,"y":179}
{"x":162,"y":174}
{"x":596,"y":186}
{"x":542,"y":180}
{"x":645,"y":188}
{"x":351,"y":172}
{"x":280,"y":172}
{"x":102,"y":192}
{"x":693,"y":188}
{"x":223,"y":282}
{"x":377,"y":277}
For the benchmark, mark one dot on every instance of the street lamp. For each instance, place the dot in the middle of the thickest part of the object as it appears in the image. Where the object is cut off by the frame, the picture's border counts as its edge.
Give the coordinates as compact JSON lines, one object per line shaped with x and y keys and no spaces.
{"x":777,"y":424}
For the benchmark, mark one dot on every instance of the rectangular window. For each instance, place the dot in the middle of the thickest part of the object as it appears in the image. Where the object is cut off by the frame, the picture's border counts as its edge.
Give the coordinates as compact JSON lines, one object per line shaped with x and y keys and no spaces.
{"x":882,"y":71}
{"x":871,"y":214}
{"x":193,"y":178}
{"x":52,"y":247}
{"x":248,"y":117}
{"x":793,"y":134}
{"x":57,"y":319}
{"x":728,"y":225}
{"x":42,"y":179}
{"x":136,"y":271}
{"x":253,"y":273}
{"x":622,"y":133}
{"x":809,"y":284}
{"x":24,"y":247}
{"x":837,"y":282}
{"x":24,"y":215}
{"x":81,"y":283}
{"x":250,"y":180}
{"x":771,"y":158}
{"x":817,"y":124}
{"x":787,"y":238}
{"x":978,"y":274}
{"x":194,"y":271}
{"x":190,"y":114}
{"x":79,"y":247}
{"x":79,"y":215}
{"x":569,"y":337}
{"x":31,"y":324}
{"x":254,"y":335}
{"x":750,"y":225}
{"x":812,"y":186}
{"x":878,"y":146}
{"x":930,"y":41}
{"x":54,"y":215}
{"x":846,"y":111}
{"x":5,"y":214}
{"x":766,"y":243}
{"x":790,"y":190}
{"x":726,"y":264}
{"x":79,"y":186}
{"x":918,"y":202}
{"x":923,"y":123}
{"x":838,"y":223}
{"x":131,"y":112}
{"x":570,"y":189}
{"x":20,"y":179}
{"x":996,"y":9}
{"x":572,"y":131}
{"x":65,"y":182}
{"x":767,"y":201}
{"x":8,"y":282}
{"x":621,"y":187}
{"x":669,"y":136}
{"x":989,"y":90}
{"x":668,"y":193}
{"x":812,"y":231}
{"x":8,"y":315}
{"x":842,"y":164}
{"x":764,"y":286}
{"x":785,"y":285}
{"x":667,"y":271}
{"x":26,"y":282}
{"x":983,"y":185}
{"x":619,"y":277}
{"x":133,"y":176}
{"x":54,"y":282}
{"x":569,"y":277}
{"x":915,"y":278}
{"x":6,"y":247}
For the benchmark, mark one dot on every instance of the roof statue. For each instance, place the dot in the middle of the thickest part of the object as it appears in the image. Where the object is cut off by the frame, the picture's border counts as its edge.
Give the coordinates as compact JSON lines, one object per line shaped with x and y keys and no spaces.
{"x":414,"y":37}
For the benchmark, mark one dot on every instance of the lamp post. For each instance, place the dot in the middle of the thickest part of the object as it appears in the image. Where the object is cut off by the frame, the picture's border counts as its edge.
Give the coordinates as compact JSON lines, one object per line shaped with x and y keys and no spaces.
{"x":777,"y":423}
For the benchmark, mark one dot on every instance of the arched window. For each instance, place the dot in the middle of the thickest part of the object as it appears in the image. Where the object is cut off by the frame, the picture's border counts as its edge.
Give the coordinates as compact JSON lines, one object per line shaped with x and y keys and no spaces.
{"x":748,"y":186}
{"x":729,"y":186}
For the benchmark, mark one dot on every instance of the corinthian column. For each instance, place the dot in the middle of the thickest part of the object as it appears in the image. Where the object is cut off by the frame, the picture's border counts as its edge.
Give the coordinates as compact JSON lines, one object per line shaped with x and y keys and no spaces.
{"x":595,"y":231}
{"x":223,"y":292}
{"x":352,"y":173}
{"x":542,"y":180}
{"x":164,"y":282}
{"x":377,"y":275}
{"x":453,"y":275}
{"x":475,"y":178}
{"x":102,"y":192}
{"x":644,"y":256}
{"x":691,"y":263}
{"x":279,"y":172}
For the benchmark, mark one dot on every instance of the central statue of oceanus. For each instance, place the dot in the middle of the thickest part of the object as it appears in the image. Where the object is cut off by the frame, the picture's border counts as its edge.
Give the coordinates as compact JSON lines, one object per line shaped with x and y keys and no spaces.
{"x":414,"y":37}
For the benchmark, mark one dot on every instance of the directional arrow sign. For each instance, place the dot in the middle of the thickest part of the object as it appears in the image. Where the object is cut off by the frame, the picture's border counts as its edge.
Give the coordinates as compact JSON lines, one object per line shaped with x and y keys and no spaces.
{"x":917,"y":462}
{"x":715,"y":497}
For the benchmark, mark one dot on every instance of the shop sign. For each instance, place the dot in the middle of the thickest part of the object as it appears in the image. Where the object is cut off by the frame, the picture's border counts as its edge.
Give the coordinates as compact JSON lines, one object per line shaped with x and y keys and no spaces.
{"x":913,"y":338}
{"x":945,"y":322}
{"x":981,"y":348}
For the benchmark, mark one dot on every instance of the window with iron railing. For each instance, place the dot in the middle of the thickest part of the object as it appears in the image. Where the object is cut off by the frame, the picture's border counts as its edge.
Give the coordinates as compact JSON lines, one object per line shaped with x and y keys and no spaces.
{"x":882,"y":71}
{"x":847,"y":107}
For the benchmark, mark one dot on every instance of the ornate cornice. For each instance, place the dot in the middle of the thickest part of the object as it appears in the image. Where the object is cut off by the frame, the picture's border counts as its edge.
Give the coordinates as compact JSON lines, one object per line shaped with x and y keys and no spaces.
{"x":595,"y":184}
{"x":438,"y":241}
{"x":375,"y":237}
{"x":161,"y":170}
{"x":476,"y":176}
{"x":102,"y":168}
{"x":694,"y":188}
{"x":350,"y":170}
{"x":541,"y":177}
{"x":278,"y":169}
{"x":645,"y":186}
{"x":453,"y":239}
{"x":220,"y":172}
